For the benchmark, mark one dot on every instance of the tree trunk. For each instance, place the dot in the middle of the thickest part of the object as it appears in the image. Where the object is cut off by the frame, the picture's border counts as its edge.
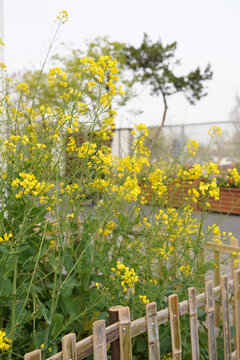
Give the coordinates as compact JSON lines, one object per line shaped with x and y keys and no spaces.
{"x":159,"y":128}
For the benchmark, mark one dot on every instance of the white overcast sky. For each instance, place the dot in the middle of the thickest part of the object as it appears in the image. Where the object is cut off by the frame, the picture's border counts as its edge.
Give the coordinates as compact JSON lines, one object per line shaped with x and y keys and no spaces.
{"x":206,"y":31}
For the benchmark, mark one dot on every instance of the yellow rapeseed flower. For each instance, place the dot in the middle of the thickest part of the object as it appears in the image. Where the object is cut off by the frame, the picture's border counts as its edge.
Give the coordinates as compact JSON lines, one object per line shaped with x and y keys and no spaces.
{"x":4,"y":341}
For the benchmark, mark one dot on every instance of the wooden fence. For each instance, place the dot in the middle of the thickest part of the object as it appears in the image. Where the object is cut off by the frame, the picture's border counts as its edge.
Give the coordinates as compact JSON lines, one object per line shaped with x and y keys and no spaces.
{"x":216,"y":300}
{"x":119,"y":334}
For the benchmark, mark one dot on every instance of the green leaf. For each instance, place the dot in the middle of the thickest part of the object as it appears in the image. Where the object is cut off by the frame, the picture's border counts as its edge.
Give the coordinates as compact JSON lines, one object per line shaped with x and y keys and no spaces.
{"x":141,"y":346}
{"x":201,"y":314}
{"x":5,"y":287}
{"x":4,"y":250}
{"x":232,"y":331}
{"x":103,"y":316}
{"x":57,"y":324}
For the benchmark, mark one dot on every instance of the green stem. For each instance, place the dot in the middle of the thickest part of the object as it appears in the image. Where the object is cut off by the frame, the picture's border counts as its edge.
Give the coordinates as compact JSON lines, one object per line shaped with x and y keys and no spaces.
{"x":34,"y":319}
{"x":41,"y":72}
{"x":14,"y":296}
{"x":33,"y":275}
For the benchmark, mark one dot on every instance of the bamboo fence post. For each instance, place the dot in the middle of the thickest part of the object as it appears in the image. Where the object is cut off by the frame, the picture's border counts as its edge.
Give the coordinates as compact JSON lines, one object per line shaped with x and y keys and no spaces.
{"x":217,"y":280}
{"x":113,"y":318}
{"x":175,"y":327}
{"x":210,"y":310}
{"x":193,"y":323}
{"x":237,"y":307}
{"x":152,"y":331}
{"x":234,"y":242}
{"x":69,"y":347}
{"x":34,"y":355}
{"x":99,"y":340}
{"x":125,"y":334}
{"x":225,"y":312}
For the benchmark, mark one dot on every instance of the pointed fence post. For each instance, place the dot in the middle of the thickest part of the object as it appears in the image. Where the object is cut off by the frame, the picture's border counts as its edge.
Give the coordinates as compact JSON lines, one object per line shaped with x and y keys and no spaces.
{"x":113,"y":318}
{"x":237,"y":307}
{"x":152,"y":331}
{"x":69,"y":347}
{"x":175,"y":327}
{"x":217,"y":280}
{"x":210,"y":310}
{"x":226,"y":321}
{"x":34,"y":355}
{"x":193,"y":323}
{"x":99,"y":340}
{"x":234,"y":242}
{"x":125,"y":334}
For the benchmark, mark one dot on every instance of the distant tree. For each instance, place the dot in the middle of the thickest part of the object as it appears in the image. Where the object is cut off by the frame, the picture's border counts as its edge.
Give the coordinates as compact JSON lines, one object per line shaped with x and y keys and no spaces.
{"x":155,"y":64}
{"x":70,"y":64}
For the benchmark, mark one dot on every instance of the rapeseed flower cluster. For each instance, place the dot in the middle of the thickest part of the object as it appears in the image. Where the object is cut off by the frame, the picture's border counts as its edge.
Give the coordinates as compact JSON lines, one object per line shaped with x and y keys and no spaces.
{"x":158,"y":181}
{"x":236,"y":255}
{"x":30,"y":185}
{"x":233,"y":177}
{"x":104,"y":68}
{"x":167,"y":357}
{"x":127,"y":276}
{"x":57,"y":76}
{"x":192,"y":147}
{"x":4,"y":341}
{"x":6,"y":237}
{"x":165,"y":251}
{"x":62,"y":16}
{"x":214,"y":131}
{"x":109,"y":227}
{"x":174,"y":225}
{"x":23,"y":87}
{"x":216,"y":232}
{"x":185,"y":270}
{"x":144,"y":299}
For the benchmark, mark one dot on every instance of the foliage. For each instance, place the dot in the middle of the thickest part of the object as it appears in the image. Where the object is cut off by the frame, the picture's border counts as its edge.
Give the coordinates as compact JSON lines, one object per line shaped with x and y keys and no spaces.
{"x":63,"y":261}
{"x":154,"y":64}
{"x":230,"y":179}
{"x":70,"y":65}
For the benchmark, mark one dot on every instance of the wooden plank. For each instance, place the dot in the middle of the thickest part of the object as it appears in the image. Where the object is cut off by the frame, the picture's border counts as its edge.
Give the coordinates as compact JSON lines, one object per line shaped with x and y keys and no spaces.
{"x":34,"y":355}
{"x":222,"y":248}
{"x":138,"y":326}
{"x":125,"y":334}
{"x":237,"y":307}
{"x":152,"y":330}
{"x":193,"y":323}
{"x":175,"y":327}
{"x":226,"y":320}
{"x":113,"y":318}
{"x":99,"y":340}
{"x":57,"y":356}
{"x":234,"y":242}
{"x":210,"y":310}
{"x":69,"y":347}
{"x":217,"y":280}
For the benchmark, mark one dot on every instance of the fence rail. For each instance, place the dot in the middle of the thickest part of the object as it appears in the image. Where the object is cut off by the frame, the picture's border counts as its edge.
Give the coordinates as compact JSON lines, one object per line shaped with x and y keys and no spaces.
{"x":120,"y":333}
{"x":121,"y":330}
